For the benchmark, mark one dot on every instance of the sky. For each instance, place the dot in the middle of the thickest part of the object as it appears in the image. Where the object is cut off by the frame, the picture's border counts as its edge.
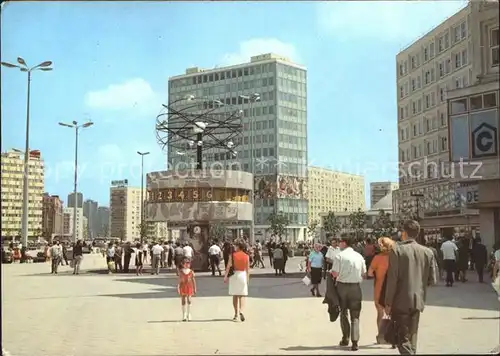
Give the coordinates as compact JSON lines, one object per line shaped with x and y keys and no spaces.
{"x":112,"y":61}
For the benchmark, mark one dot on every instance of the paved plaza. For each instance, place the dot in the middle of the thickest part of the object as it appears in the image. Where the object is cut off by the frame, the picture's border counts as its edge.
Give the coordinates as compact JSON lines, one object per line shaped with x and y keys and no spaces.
{"x":98,"y":314}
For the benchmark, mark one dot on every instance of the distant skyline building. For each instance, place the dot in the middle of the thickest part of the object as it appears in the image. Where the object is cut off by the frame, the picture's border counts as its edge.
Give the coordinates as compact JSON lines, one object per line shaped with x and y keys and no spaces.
{"x":12,"y":177}
{"x":275,"y":132}
{"x":125,"y":213}
{"x":68,"y":223}
{"x":334,"y":191}
{"x":71,"y":200}
{"x":90,"y":208}
{"x":52,"y":216}
{"x":103,"y":221}
{"x":379,"y":190}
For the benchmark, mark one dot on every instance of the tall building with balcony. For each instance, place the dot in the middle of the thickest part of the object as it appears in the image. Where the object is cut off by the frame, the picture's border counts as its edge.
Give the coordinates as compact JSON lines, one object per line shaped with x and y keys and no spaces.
{"x":125,"y":213}
{"x":12,"y":177}
{"x":474,"y":125}
{"x":52,"y":216}
{"x":274,"y":136}
{"x":334,"y":191}
{"x":427,"y":71}
{"x":379,"y":190}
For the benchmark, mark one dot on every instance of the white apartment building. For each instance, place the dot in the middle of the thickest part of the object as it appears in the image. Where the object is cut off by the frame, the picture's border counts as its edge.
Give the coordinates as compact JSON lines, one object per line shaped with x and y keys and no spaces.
{"x":379,"y":190}
{"x":12,"y":173}
{"x":334,"y":191}
{"x":158,"y":231}
{"x":439,"y":62}
{"x":274,"y":131}
{"x":68,"y":218}
{"x":125,"y":213}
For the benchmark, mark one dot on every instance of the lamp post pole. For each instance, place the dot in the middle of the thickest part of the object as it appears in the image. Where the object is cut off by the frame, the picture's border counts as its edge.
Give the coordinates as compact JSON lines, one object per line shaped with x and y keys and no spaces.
{"x":252,"y":99}
{"x":74,"y":125}
{"x":23,"y":67}
{"x":142,"y":154}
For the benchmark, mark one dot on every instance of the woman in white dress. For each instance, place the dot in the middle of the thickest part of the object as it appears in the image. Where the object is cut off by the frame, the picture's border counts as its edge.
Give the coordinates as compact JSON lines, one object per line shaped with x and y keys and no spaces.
{"x":237,"y":274}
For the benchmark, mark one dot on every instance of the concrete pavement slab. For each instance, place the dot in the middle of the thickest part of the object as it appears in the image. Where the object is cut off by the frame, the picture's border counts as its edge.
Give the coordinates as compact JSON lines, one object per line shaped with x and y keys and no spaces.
{"x":99,"y":314}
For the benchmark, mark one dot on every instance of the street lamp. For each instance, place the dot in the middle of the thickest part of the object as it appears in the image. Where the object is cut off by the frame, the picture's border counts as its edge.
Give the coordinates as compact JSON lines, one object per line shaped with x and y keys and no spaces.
{"x":23,"y":67}
{"x":142,"y":154}
{"x":252,"y":98}
{"x":74,"y":125}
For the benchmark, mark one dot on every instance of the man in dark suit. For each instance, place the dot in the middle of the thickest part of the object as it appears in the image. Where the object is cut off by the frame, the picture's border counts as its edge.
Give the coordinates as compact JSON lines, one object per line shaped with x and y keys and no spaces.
{"x":412,"y":268}
{"x":480,"y":258}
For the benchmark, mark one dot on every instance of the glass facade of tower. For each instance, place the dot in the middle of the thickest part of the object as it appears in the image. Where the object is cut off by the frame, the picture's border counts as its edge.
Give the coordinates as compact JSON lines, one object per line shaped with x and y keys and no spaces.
{"x":274,"y":128}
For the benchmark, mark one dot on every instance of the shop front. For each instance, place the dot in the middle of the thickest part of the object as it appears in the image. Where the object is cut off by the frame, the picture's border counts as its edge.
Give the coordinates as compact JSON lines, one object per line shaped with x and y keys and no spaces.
{"x":474,"y":128}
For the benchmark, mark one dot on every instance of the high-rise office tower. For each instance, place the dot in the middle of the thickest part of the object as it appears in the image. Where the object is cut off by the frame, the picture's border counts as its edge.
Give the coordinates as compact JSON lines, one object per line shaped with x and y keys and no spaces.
{"x":12,"y":193}
{"x":71,"y":200}
{"x":90,"y":212}
{"x":274,"y":131}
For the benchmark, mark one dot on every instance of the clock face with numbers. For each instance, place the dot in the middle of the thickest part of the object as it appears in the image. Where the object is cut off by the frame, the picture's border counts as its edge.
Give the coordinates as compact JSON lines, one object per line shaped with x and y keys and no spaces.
{"x":197,"y":229}
{"x":176,"y":195}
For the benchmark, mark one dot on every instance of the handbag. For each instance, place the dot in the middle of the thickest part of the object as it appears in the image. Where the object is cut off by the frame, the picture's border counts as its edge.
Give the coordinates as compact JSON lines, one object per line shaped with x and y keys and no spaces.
{"x":387,"y":329}
{"x":231,"y":269}
{"x":306,"y":280}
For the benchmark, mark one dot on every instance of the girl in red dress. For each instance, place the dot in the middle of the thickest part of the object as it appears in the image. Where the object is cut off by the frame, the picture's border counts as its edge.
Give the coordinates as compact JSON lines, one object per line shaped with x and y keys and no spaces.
{"x":186,"y":288}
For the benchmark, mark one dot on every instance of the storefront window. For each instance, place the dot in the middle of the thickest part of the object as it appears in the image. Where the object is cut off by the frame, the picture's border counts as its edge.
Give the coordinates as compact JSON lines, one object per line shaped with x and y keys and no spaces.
{"x":459,"y":132}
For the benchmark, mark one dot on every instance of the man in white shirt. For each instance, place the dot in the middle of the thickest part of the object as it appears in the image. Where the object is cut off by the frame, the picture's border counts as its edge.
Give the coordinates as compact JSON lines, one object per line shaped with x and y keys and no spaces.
{"x":156,"y":257}
{"x":187,"y":251}
{"x":214,"y":255}
{"x":55,"y":255}
{"x":349,"y":268}
{"x":331,"y":253}
{"x":449,"y":250}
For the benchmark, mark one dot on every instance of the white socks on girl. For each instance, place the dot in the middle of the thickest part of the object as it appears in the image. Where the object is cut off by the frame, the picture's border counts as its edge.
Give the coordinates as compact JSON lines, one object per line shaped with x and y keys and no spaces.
{"x":186,"y":312}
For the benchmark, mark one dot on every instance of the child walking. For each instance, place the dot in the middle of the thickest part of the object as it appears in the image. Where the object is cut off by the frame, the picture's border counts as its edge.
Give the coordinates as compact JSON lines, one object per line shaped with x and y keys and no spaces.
{"x":186,"y":288}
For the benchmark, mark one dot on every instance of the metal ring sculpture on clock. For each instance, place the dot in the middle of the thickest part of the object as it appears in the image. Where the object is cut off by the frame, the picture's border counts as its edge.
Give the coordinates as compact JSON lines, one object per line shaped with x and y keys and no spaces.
{"x":182,"y":122}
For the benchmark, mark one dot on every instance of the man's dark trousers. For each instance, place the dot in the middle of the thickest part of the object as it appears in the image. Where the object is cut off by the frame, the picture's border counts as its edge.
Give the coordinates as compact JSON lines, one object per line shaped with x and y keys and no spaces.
{"x":450,"y":268}
{"x":214,"y":263}
{"x":350,"y":296}
{"x":126,"y":262}
{"x":407,"y":331}
{"x":480,"y":272}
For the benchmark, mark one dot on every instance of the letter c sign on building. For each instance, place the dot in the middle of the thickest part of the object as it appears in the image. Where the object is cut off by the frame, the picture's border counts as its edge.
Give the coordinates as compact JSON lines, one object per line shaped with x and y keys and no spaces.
{"x":484,"y":141}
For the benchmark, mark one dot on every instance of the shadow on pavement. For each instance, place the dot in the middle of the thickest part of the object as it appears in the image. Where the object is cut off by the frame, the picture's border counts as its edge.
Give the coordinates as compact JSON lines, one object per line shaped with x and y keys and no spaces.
{"x":469,"y":295}
{"x":333,"y":347}
{"x":191,"y":321}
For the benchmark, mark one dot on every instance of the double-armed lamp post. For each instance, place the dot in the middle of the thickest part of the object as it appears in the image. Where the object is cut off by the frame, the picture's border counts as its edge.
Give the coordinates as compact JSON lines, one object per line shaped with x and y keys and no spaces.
{"x":23,"y":67}
{"x":74,"y":125}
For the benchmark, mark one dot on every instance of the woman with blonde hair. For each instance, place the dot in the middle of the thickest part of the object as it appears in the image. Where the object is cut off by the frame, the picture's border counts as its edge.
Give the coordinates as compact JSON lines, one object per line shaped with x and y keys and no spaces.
{"x":378,"y":269}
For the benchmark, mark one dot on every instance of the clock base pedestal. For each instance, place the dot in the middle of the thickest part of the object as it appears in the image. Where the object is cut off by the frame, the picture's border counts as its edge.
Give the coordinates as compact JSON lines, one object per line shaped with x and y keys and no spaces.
{"x":199,"y":237}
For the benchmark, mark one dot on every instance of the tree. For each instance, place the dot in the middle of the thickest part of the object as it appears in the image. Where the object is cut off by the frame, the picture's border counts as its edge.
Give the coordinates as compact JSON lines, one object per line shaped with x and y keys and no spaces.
{"x":312,"y":229}
{"x":279,"y":223}
{"x":383,"y":225}
{"x":357,"y":220}
{"x":218,"y":231}
{"x":143,"y":230}
{"x":331,"y":224}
